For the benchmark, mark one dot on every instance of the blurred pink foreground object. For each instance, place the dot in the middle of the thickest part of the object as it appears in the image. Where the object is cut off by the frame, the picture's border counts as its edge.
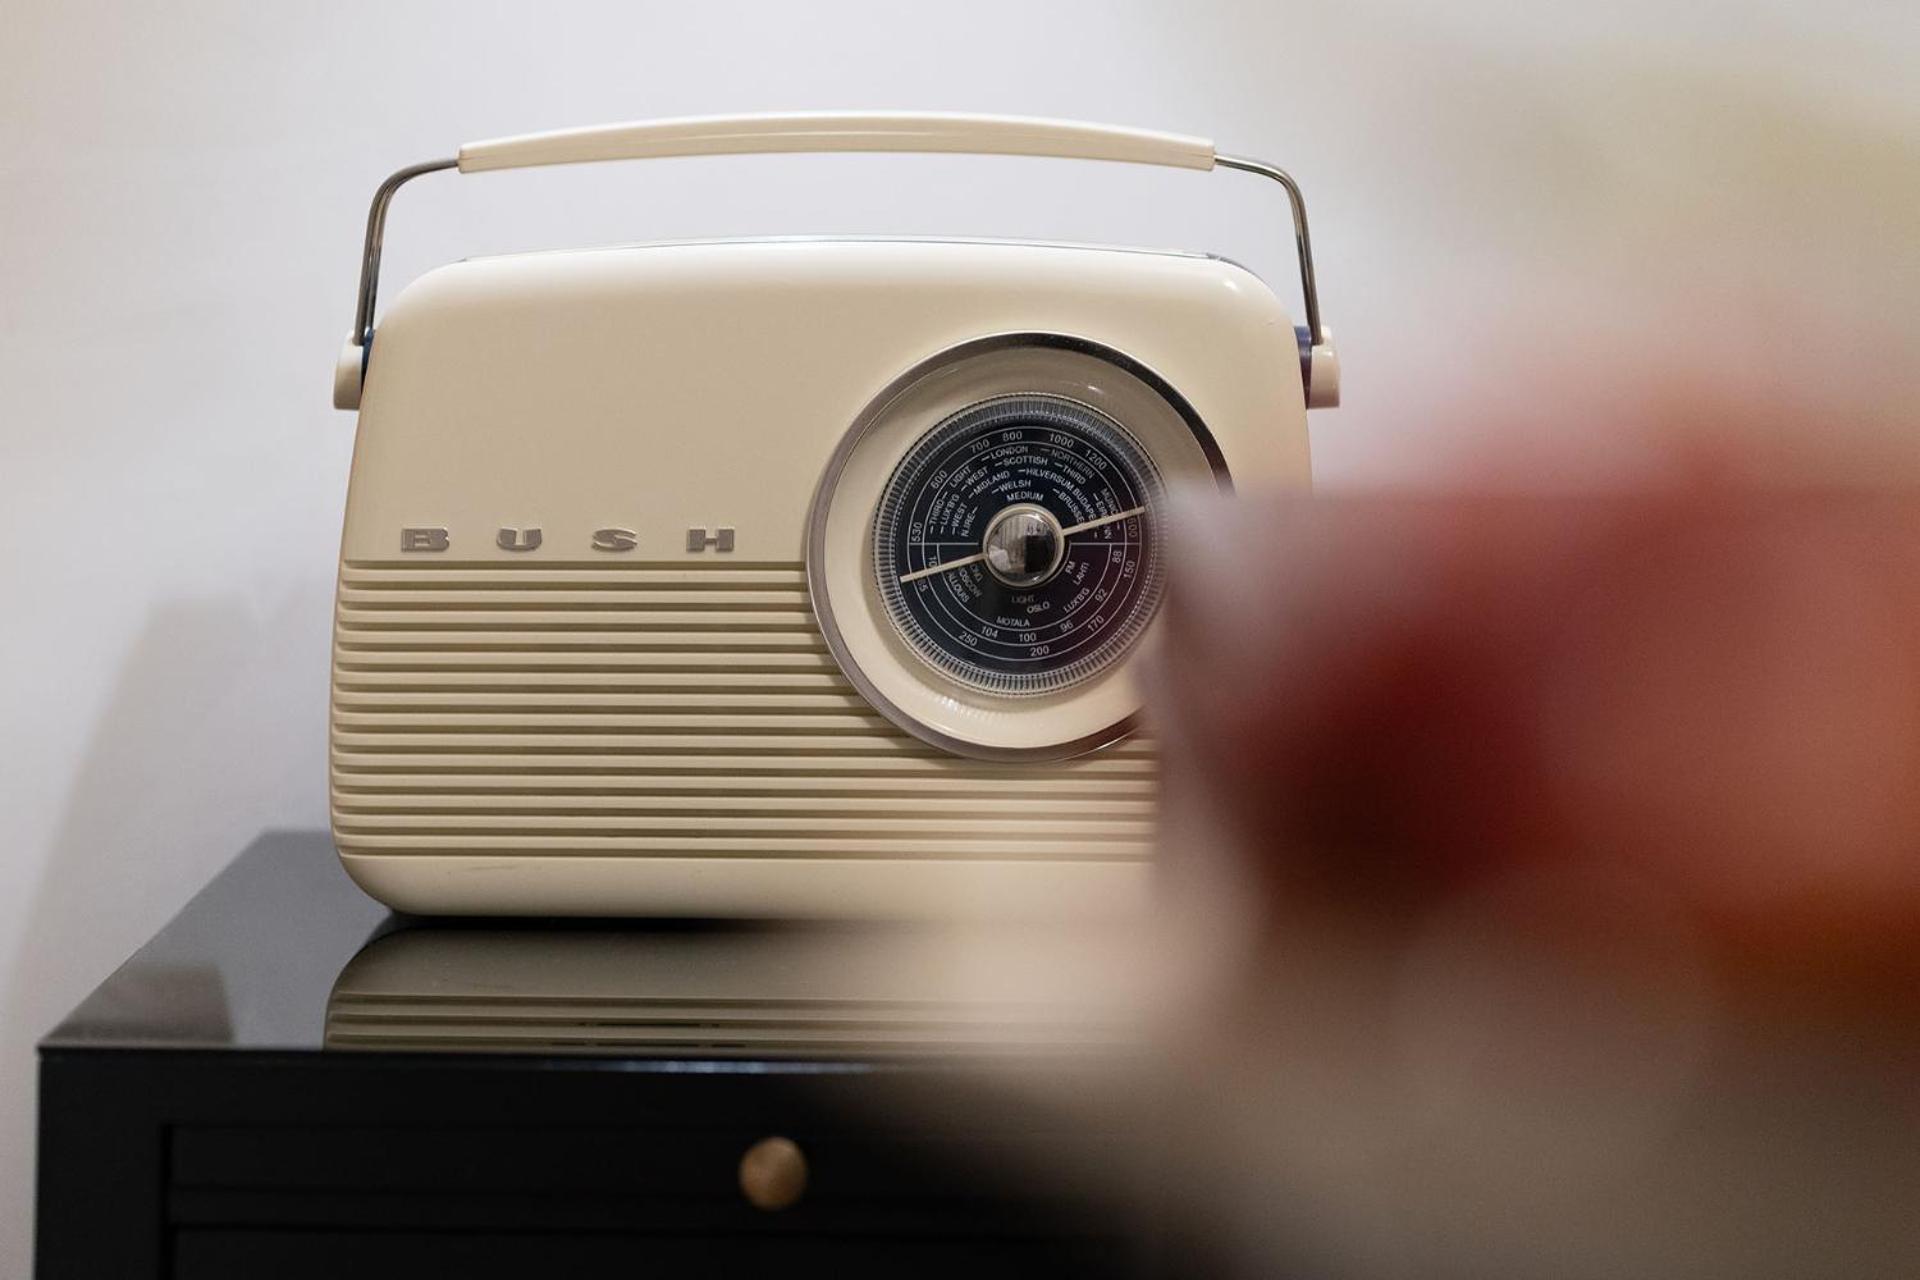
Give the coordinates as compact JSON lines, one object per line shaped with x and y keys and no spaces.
{"x":1545,"y":874}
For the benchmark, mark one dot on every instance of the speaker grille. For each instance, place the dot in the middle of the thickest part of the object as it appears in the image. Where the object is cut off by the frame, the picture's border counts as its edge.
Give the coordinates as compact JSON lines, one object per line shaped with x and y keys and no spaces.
{"x":654,"y":710}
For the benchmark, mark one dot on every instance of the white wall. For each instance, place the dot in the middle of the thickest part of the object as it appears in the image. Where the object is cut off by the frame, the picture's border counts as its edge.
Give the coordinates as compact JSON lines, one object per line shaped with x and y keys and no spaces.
{"x":1603,"y":190}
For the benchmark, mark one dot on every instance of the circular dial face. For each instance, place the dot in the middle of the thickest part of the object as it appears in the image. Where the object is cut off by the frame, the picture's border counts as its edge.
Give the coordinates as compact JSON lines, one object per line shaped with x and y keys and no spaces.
{"x":1016,"y":544}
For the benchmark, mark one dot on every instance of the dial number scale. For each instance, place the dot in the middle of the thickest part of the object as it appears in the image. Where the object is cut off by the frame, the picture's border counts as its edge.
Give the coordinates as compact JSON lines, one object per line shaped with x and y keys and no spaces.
{"x":1015,"y":546}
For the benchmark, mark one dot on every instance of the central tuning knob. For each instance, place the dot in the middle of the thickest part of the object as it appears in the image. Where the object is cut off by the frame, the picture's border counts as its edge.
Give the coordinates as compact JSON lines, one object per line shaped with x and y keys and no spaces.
{"x":1023,"y":546}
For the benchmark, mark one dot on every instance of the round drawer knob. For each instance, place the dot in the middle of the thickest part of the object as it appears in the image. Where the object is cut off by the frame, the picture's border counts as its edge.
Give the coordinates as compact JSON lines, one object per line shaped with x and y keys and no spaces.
{"x":773,"y":1173}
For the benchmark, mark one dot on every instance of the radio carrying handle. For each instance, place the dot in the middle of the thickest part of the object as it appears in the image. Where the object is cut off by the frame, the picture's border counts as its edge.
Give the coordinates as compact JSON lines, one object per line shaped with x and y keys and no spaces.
{"x":840,"y":131}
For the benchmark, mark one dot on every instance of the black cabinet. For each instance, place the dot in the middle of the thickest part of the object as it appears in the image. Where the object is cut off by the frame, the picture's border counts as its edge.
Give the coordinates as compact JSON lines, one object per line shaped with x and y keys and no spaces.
{"x":287,"y":1082}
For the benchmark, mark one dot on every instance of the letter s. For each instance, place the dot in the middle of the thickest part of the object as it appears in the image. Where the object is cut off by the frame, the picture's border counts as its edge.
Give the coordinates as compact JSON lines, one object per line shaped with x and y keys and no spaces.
{"x":615,"y":539}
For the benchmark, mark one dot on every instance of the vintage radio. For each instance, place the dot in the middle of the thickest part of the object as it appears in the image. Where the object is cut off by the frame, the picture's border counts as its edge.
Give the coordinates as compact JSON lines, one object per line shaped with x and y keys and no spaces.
{"x":784,"y":576}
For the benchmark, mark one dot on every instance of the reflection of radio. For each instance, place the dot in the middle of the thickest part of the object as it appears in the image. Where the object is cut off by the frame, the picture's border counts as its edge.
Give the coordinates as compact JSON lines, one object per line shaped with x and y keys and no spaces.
{"x":853,"y":994}
{"x":782,"y":576}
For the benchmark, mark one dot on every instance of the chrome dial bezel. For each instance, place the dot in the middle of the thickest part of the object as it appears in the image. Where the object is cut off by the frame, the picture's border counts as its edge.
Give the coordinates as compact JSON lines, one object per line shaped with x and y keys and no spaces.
{"x":845,"y":603}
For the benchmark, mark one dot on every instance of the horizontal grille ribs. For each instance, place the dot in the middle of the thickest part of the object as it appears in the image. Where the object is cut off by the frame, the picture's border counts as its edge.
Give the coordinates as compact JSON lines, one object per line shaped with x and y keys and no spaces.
{"x":655,"y":711}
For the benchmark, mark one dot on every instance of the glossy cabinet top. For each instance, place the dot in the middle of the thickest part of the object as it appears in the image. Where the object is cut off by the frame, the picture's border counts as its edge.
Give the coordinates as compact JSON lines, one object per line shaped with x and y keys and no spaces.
{"x":281,"y":952}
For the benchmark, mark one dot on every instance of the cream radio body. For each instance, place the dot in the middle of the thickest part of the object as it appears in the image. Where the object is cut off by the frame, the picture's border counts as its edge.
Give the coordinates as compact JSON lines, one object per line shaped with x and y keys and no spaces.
{"x":781,"y":577}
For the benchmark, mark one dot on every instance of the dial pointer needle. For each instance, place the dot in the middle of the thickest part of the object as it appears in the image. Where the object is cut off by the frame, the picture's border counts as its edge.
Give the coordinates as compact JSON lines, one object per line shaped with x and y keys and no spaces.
{"x":943,"y":566}
{"x":1115,"y":518}
{"x":978,"y":556}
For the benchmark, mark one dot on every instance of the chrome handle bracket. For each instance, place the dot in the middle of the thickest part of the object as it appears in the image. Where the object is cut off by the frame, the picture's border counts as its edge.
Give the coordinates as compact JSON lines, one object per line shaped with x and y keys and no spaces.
{"x":376,"y":238}
{"x":1302,"y":239}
